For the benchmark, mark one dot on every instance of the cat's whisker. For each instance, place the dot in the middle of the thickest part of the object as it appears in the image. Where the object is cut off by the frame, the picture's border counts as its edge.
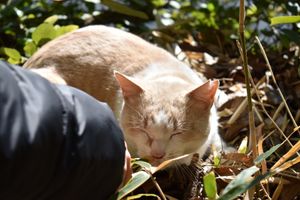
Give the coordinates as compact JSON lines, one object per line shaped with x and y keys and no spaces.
{"x":178,"y":171}
{"x":135,"y":122}
{"x":137,"y":127}
{"x":183,"y":170}
{"x":133,"y":127}
{"x":184,"y":125}
{"x":188,"y":172}
{"x":184,"y":129}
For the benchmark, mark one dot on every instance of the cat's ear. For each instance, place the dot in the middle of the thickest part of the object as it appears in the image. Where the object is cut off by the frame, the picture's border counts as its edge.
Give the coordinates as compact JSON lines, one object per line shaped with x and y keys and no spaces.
{"x":205,"y":93}
{"x":128,"y":85}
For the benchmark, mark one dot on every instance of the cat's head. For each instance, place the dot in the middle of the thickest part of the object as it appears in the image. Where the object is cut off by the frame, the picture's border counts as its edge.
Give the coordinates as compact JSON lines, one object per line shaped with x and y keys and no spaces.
{"x":165,"y":119}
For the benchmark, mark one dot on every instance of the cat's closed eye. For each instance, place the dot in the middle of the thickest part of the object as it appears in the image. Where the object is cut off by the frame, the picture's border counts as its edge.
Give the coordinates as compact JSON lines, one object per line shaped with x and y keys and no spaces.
{"x":176,"y":134}
{"x":141,"y":130}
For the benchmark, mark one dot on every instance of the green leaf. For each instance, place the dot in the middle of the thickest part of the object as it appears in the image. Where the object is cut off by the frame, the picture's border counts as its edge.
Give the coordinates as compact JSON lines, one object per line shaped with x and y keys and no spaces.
{"x":14,"y":57}
{"x":137,"y":180}
{"x":240,"y":184}
{"x":265,"y":155}
{"x":43,"y":32}
{"x":285,"y":19}
{"x":142,"y":195}
{"x":236,"y":191}
{"x":211,"y":7}
{"x":216,"y":156}
{"x":123,"y":9}
{"x":30,"y":48}
{"x":243,"y":146}
{"x":217,"y":160}
{"x":143,"y":164}
{"x":65,"y":29}
{"x":210,"y":185}
{"x":252,"y":10}
{"x":158,"y":3}
{"x":12,"y":53}
{"x":52,"y":19}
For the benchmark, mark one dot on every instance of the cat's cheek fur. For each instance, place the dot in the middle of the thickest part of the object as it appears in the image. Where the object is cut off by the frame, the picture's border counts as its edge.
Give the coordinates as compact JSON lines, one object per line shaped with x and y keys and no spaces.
{"x":137,"y":143}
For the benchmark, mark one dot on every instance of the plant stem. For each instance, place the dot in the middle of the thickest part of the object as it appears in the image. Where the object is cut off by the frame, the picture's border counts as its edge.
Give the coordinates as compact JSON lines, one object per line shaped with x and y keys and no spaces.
{"x":158,"y":187}
{"x":275,"y":82}
{"x":252,"y":138}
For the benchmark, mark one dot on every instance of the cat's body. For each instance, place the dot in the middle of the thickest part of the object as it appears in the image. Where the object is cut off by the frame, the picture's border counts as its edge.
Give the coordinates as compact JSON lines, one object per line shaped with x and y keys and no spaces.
{"x":168,"y":111}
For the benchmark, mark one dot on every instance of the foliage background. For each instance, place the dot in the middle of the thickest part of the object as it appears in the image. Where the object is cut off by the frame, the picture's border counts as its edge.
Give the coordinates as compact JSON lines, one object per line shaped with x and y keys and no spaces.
{"x":161,"y":21}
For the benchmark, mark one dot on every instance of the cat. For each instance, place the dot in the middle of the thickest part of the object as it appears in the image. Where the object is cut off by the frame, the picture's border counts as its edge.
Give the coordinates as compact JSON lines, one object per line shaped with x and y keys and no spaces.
{"x":165,"y":109}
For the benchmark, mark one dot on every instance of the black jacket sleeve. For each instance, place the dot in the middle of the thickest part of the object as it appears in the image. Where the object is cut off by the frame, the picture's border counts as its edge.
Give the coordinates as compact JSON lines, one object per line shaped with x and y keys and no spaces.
{"x":56,"y":142}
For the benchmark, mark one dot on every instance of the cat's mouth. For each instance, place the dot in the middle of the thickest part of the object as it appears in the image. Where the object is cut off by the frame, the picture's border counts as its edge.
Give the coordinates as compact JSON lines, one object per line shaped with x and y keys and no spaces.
{"x":156,"y":162}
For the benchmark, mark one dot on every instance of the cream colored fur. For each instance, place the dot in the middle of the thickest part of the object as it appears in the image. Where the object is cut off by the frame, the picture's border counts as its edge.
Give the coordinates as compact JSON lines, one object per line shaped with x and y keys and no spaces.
{"x":165,"y":109}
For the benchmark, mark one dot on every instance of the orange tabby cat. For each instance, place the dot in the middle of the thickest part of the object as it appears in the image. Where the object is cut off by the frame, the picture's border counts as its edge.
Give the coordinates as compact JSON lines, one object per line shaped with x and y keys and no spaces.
{"x":167,"y":109}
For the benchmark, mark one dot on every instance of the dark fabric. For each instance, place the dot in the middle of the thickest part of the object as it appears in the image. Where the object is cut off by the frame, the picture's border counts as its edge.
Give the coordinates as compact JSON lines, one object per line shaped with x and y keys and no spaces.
{"x":56,"y":142}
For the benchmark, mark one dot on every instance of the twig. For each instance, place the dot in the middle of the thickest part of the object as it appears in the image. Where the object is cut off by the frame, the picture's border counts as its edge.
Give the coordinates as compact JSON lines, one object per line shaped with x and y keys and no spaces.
{"x":264,"y":109}
{"x":278,"y":190}
{"x":158,"y":188}
{"x":267,"y":114}
{"x":278,"y":110}
{"x":265,"y":191}
{"x":275,"y":82}
{"x":290,"y":175}
{"x":283,"y":160}
{"x":262,"y":105}
{"x":286,"y":164}
{"x":276,"y":180}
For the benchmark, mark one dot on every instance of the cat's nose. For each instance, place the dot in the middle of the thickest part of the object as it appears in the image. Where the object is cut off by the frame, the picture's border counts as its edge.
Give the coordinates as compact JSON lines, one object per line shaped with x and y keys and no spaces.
{"x":157,"y":155}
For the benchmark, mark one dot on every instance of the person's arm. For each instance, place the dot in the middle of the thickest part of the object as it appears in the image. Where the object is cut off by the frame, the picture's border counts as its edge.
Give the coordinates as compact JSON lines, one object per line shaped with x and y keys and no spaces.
{"x":56,"y":142}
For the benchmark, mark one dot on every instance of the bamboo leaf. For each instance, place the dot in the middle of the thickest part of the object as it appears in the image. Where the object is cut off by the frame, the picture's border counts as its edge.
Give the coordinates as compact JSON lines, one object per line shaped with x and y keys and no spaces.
{"x":142,"y":163}
{"x":138,"y":196}
{"x":137,"y":180}
{"x":265,"y":155}
{"x":167,"y":163}
{"x":285,"y":19}
{"x":233,"y":190}
{"x":123,"y":9}
{"x":239,"y":185}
